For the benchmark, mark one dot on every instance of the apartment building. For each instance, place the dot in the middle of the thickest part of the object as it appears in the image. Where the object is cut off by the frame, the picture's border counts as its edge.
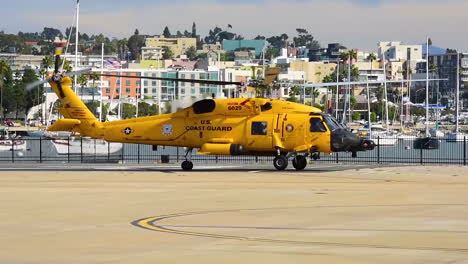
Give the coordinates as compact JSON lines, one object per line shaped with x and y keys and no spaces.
{"x":396,"y":51}
{"x":178,"y":45}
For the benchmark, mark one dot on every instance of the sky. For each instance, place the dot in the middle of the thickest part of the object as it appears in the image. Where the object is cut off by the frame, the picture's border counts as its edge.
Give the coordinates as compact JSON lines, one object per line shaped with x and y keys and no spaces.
{"x":354,"y":23}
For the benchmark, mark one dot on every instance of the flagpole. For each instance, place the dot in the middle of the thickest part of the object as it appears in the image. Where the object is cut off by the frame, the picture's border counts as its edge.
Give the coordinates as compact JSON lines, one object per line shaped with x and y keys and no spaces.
{"x":120,"y":95}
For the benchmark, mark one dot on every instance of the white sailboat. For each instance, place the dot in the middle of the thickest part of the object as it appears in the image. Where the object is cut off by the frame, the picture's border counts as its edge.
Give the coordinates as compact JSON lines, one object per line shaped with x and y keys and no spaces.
{"x":8,"y":143}
{"x":85,"y":146}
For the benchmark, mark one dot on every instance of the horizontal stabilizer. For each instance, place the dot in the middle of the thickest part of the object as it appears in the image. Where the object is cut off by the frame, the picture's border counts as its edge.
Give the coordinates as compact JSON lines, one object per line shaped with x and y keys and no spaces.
{"x":64,"y":125}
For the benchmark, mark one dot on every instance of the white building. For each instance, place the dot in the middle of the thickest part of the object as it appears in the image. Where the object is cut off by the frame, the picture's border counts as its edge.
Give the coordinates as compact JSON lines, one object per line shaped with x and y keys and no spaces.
{"x":395,"y":51}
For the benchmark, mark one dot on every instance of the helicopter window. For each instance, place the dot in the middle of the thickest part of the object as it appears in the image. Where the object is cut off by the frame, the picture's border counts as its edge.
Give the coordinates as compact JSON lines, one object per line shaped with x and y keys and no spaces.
{"x":204,"y":106}
{"x":316,"y":125}
{"x":259,"y":128}
{"x":266,"y":107}
{"x":332,"y":123}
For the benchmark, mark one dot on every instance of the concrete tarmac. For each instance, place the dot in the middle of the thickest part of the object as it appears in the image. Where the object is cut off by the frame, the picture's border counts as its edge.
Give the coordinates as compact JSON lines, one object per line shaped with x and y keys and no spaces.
{"x":328,"y":214}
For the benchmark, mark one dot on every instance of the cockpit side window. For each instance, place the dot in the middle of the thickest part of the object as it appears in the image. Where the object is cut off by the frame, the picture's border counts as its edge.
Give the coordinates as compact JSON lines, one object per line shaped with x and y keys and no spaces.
{"x":316,"y":125}
{"x":332,"y":123}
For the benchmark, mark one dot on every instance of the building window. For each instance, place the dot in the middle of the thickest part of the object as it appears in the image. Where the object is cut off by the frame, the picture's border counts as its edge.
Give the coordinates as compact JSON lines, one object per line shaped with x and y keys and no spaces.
{"x":127,"y":90}
{"x":138,"y":83}
{"x":153,"y":91}
{"x":192,"y":76}
{"x":259,"y":128}
{"x":127,"y":83}
{"x":153,"y":83}
{"x":145,"y":90}
{"x":117,"y":83}
{"x":146,"y":83}
{"x":107,"y":90}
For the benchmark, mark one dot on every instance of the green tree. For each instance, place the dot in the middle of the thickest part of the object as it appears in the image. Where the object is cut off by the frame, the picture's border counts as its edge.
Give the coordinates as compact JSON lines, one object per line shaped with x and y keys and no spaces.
{"x":94,"y":76}
{"x":128,"y":111}
{"x":357,"y":116}
{"x":82,"y":81}
{"x":145,"y":109}
{"x":167,"y":33}
{"x":305,"y":39}
{"x":272,"y":53}
{"x":293,"y":93}
{"x":6,"y":80}
{"x":48,"y":62}
{"x":94,"y":106}
{"x":50,"y":34}
{"x":434,"y":68}
{"x":227,"y":56}
{"x":194,"y":30}
{"x":167,"y":53}
{"x":135,"y":43}
{"x":278,"y":42}
{"x":35,"y":96}
{"x":191,"y":53}
{"x":67,"y":66}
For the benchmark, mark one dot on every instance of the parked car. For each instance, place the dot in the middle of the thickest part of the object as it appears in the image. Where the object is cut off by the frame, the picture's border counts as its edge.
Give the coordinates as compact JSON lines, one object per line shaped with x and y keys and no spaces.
{"x":8,"y":123}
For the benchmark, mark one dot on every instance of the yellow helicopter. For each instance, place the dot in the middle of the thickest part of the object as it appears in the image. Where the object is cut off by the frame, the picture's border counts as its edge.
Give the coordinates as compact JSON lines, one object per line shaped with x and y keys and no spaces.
{"x":239,"y":126}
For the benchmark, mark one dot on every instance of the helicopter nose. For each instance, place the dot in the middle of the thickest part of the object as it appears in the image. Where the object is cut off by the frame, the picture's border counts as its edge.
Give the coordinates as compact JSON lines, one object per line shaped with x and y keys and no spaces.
{"x":344,"y":140}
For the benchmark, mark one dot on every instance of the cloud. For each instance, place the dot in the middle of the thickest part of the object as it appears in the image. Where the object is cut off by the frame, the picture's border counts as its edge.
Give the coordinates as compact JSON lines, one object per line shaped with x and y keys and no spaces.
{"x":355,"y":23}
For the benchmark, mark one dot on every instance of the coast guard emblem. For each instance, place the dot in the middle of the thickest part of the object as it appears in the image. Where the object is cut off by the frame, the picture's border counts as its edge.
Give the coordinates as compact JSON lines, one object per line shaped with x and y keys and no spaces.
{"x":167,"y":130}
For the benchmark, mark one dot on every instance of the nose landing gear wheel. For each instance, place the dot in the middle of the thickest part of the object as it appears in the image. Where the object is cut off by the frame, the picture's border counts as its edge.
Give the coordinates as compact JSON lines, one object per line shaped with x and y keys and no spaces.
{"x":187,"y":165}
{"x":299,"y":163}
{"x":280,"y":163}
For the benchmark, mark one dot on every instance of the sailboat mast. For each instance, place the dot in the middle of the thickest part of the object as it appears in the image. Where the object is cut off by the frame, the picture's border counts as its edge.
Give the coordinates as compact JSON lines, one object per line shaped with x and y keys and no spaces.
{"x":427,"y":86}
{"x":77,"y":38}
{"x":457,"y":94}
{"x":101,"y":86}
{"x":385,"y":92}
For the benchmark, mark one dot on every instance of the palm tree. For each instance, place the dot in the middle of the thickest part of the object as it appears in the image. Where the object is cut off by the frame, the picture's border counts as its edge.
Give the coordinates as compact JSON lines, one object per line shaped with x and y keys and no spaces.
{"x":48,"y":62}
{"x":67,"y":66}
{"x":83,"y":81}
{"x":344,"y":56}
{"x":94,"y":77}
{"x":352,"y":53}
{"x":372,"y":57}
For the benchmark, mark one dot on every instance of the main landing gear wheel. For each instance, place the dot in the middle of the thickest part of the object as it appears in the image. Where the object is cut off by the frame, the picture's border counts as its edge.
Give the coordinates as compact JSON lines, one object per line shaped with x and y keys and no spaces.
{"x":187,"y":165}
{"x":280,"y":163}
{"x":299,"y":163}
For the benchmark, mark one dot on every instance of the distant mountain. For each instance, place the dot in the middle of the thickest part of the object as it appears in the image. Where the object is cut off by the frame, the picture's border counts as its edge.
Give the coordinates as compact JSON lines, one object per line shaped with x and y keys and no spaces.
{"x":434,"y":50}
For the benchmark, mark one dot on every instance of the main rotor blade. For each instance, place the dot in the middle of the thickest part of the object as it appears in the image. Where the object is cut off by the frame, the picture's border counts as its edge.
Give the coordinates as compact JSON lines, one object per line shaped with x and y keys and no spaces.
{"x":174,"y":79}
{"x":370,"y":82}
{"x":36,"y":83}
{"x":77,"y":73}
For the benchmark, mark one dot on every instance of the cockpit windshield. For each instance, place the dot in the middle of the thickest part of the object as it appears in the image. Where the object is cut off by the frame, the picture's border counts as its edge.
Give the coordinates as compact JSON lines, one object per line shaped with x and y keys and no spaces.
{"x":332,"y":123}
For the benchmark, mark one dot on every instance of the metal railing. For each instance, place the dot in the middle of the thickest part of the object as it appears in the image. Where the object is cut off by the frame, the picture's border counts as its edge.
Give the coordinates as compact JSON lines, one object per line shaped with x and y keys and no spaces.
{"x":78,"y":150}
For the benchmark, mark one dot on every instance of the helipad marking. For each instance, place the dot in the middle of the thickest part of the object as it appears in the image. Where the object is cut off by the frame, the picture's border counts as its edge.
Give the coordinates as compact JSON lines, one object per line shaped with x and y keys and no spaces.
{"x":151,"y":224}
